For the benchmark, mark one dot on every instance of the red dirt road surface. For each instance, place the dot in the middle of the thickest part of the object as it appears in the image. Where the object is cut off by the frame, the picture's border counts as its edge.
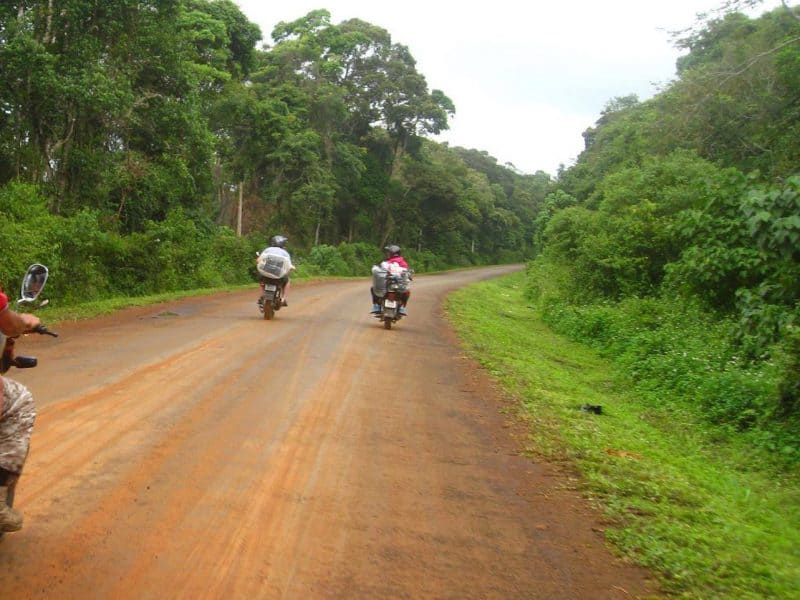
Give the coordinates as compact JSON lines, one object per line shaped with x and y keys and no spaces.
{"x":194,"y":450}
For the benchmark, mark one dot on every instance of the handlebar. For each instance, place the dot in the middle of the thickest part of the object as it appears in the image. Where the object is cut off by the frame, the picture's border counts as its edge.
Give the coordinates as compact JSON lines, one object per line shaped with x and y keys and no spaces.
{"x":43,"y":330}
{"x":8,"y":359}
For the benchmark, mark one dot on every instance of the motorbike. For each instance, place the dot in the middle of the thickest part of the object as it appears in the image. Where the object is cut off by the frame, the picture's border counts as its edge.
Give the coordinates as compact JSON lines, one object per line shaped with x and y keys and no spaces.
{"x":389,"y":288}
{"x":32,"y":285}
{"x":271,"y":298}
{"x":274,"y":271}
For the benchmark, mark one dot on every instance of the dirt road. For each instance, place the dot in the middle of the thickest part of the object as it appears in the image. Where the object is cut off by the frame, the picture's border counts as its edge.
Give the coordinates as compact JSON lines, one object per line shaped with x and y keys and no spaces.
{"x":192,"y":450}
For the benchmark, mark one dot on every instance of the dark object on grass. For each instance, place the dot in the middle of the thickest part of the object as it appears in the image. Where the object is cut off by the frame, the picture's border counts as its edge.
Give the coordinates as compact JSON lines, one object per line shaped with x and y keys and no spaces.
{"x":592,"y":408}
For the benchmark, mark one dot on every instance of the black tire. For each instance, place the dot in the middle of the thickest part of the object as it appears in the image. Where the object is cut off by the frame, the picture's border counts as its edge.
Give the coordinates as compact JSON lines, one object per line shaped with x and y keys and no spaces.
{"x":269,"y":312}
{"x":387,"y":323}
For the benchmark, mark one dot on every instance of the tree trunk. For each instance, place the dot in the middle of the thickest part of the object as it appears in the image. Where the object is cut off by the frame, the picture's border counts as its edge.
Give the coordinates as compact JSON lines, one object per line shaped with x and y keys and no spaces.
{"x":239,"y":211}
{"x":48,"y":28}
{"x":18,"y":135}
{"x":56,"y":154}
{"x":388,"y":224}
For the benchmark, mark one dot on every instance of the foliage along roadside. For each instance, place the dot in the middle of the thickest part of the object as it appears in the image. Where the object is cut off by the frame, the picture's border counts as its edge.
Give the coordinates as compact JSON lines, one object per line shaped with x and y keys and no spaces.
{"x":119,"y":172}
{"x":688,"y":274}
{"x":714,"y":518}
{"x":174,"y":256}
{"x":126,"y":112}
{"x":673,"y":243}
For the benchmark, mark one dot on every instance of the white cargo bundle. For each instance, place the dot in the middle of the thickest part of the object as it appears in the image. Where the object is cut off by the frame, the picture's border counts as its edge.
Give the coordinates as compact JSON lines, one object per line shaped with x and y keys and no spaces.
{"x":272,"y":265}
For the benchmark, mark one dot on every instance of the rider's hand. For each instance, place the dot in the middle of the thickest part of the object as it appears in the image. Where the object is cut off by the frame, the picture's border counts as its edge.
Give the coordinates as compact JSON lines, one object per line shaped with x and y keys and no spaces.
{"x":30,"y":321}
{"x":13,"y":323}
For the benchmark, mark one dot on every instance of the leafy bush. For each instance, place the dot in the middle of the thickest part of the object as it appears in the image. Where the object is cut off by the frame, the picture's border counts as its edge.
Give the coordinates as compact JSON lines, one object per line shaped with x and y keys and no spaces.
{"x":138,"y":265}
{"x":25,"y":232}
{"x":89,"y":263}
{"x":425,"y":261}
{"x":326,"y":260}
{"x":22,"y":202}
{"x":623,"y":246}
{"x":678,"y":355}
{"x":743,"y":254}
{"x":359,"y":257}
{"x":231,"y":256}
{"x":788,"y":361}
{"x":718,"y":256}
{"x":84,"y":266}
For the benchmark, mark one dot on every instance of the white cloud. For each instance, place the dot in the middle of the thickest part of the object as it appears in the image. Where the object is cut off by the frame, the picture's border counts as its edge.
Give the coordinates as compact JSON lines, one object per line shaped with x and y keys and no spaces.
{"x":526,"y":78}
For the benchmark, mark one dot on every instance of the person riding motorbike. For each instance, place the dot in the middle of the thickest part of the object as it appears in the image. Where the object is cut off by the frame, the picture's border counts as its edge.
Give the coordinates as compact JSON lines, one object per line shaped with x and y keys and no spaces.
{"x":393,"y":261}
{"x":277,"y":247}
{"x":17,"y":414}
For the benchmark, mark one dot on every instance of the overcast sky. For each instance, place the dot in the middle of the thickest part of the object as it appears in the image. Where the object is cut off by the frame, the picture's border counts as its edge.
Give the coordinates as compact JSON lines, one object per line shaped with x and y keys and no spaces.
{"x":526,"y":78}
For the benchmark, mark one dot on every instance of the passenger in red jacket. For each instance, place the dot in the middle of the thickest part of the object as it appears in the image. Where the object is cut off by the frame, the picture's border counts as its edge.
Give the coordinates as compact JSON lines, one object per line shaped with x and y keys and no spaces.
{"x":394,"y":261}
{"x":393,"y":256}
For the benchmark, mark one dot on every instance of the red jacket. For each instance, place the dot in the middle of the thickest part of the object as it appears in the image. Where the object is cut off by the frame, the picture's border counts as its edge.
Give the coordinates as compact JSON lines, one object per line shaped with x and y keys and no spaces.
{"x":399,"y":260}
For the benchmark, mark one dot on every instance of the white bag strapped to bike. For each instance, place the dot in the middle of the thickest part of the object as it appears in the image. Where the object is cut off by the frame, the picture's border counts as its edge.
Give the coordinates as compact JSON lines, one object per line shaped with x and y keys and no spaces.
{"x":381,"y":277}
{"x":273,"y":266}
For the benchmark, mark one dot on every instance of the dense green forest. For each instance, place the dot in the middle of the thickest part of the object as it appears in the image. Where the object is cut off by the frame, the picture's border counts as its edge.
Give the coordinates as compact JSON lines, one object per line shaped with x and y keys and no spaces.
{"x":154,"y":145}
{"x":130,"y":131}
{"x":673,"y":243}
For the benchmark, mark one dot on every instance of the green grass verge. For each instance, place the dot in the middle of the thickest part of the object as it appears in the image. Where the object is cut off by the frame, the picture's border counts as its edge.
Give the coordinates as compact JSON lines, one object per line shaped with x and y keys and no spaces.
{"x":700,"y":515}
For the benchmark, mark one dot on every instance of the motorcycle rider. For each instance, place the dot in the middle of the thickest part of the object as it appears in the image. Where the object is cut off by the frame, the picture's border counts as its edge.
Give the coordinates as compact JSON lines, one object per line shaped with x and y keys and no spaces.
{"x":17,"y":414}
{"x":277,"y":246}
{"x":393,"y":255}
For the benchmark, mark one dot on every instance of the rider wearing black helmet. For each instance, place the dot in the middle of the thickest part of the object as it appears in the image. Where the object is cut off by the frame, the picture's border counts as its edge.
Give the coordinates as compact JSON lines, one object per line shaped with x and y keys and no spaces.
{"x":393,"y":251}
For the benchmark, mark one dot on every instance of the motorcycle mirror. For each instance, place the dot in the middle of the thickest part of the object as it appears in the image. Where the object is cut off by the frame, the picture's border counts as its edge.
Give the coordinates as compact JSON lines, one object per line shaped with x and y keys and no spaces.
{"x":33,"y":283}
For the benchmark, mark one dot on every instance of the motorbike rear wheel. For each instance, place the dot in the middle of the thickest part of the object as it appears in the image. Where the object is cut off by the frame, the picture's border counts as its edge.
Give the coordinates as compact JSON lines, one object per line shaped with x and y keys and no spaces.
{"x":387,"y":323}
{"x":269,"y":312}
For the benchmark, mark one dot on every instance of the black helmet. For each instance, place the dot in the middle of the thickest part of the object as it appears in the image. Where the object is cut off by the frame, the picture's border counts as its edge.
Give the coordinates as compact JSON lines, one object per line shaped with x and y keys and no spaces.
{"x":279,"y":241}
{"x":392,"y":250}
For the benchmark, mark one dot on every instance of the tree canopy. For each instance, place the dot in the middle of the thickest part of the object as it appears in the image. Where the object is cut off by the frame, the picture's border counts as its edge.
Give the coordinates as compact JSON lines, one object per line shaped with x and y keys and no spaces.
{"x":693,"y":195}
{"x":138,"y":108}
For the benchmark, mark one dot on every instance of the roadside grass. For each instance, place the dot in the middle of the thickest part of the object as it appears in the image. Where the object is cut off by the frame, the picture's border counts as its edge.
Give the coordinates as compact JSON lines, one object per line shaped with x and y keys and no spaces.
{"x":701,"y":515}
